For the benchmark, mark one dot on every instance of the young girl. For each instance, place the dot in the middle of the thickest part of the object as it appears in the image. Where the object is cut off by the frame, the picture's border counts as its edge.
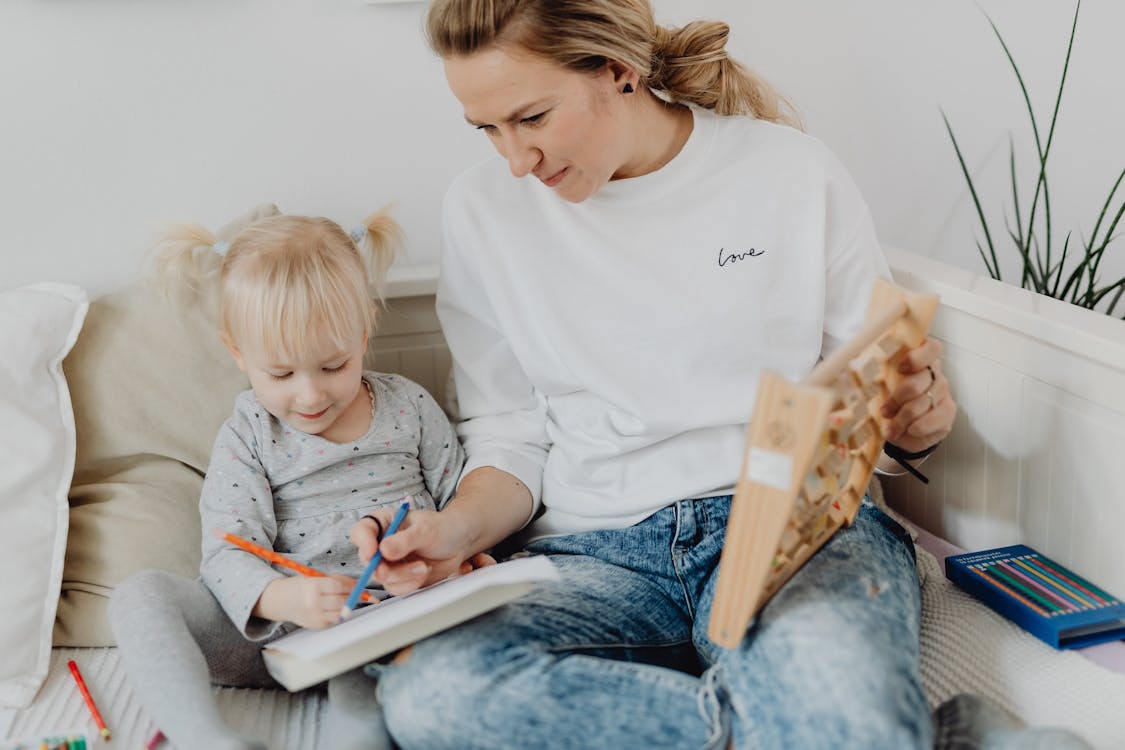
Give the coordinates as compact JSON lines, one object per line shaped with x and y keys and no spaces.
{"x":316,"y":445}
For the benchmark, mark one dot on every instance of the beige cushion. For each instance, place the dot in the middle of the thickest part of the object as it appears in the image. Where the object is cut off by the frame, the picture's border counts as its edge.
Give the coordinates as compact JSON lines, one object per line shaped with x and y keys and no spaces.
{"x":151,"y":385}
{"x":38,"y":326}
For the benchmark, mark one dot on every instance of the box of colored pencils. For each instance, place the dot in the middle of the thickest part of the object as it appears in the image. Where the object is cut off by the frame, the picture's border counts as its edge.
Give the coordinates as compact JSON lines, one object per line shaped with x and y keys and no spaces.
{"x":68,"y":741}
{"x":1044,"y":598}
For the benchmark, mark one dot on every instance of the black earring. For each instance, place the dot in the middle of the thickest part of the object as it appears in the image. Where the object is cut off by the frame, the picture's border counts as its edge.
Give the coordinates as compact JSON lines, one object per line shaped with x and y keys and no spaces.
{"x":628,"y":89}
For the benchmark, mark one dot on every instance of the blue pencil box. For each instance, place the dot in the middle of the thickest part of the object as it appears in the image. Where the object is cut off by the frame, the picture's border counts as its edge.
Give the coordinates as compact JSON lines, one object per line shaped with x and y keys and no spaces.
{"x":1043,"y":597}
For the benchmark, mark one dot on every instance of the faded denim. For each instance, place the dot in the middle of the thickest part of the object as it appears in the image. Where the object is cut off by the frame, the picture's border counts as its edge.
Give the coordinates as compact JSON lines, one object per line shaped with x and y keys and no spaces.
{"x":616,"y":654}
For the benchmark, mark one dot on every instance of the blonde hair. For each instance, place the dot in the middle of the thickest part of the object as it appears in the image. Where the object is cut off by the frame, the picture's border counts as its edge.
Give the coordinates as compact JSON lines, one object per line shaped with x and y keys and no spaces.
{"x":689,"y":64}
{"x":285,"y":282}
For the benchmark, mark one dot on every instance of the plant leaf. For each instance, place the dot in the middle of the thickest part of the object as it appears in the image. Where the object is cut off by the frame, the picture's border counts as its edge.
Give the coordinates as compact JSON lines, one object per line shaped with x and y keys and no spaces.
{"x":994,"y":268}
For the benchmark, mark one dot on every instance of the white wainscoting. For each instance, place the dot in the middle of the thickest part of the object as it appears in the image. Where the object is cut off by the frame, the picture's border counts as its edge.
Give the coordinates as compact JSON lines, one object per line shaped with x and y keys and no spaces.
{"x":1037,"y":455}
{"x":408,"y":338}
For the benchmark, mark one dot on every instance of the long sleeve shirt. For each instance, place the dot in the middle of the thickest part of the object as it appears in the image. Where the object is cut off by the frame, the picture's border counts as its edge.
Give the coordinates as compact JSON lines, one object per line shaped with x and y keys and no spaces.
{"x":300,"y":494}
{"x":607,"y":352}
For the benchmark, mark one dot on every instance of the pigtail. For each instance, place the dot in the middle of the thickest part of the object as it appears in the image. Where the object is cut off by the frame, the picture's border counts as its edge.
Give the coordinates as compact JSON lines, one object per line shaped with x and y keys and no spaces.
{"x":384,"y":238}
{"x":184,"y":256}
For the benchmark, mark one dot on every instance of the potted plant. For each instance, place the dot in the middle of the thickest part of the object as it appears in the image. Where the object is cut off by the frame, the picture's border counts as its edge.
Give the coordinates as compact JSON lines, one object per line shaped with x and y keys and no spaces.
{"x":1038,"y":371}
{"x":1072,"y":273}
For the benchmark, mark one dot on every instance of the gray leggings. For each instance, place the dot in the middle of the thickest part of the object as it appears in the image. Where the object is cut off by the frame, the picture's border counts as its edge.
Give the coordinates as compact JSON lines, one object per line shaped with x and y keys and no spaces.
{"x":176,"y":641}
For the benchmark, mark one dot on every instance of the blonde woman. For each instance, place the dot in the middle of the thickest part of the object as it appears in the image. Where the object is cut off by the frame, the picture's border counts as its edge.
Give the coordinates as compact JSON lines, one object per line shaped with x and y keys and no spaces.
{"x":655,"y":232}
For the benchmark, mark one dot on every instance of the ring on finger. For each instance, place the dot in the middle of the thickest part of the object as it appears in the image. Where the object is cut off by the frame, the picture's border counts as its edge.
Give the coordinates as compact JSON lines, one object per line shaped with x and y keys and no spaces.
{"x":378,"y":523}
{"x":933,"y":375}
{"x":933,"y":401}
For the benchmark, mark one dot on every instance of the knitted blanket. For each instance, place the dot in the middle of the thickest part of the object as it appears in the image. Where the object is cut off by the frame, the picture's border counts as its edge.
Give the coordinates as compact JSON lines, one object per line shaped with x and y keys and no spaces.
{"x":282,"y":719}
{"x":966,"y":647}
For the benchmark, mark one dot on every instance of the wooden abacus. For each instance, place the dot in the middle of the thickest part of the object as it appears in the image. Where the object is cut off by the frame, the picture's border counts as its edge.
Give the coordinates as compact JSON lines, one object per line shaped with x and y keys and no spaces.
{"x":811,"y":449}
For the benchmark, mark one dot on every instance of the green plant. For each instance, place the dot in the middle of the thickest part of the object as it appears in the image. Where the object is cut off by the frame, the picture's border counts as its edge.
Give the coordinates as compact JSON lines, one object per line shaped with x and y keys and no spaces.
{"x":1041,"y":272}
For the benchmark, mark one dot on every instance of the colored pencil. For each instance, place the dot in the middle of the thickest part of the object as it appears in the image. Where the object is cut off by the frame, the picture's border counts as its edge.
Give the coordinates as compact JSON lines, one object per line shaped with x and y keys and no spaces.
{"x":102,"y":729}
{"x":995,"y":570}
{"x":365,"y":576}
{"x":1053,"y":570}
{"x":1073,"y":596}
{"x":994,"y":581}
{"x":1011,"y":568}
{"x":274,"y":557}
{"x":155,"y":740}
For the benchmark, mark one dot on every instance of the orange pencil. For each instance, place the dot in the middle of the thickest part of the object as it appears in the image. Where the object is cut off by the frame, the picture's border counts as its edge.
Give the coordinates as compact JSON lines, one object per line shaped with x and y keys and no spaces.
{"x":89,"y":700}
{"x":274,"y":557}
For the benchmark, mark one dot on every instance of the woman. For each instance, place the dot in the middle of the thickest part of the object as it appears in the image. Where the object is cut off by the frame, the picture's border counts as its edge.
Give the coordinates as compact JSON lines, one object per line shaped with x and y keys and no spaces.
{"x":670,"y":233}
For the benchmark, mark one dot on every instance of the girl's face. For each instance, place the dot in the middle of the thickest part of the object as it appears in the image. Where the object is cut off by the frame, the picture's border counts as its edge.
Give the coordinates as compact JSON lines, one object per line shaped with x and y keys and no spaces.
{"x":320,"y":393}
{"x":562,"y":127}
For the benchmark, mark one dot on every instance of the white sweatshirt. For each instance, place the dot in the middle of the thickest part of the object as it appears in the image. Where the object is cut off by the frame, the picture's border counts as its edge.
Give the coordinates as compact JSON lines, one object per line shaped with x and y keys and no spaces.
{"x":607,"y":353}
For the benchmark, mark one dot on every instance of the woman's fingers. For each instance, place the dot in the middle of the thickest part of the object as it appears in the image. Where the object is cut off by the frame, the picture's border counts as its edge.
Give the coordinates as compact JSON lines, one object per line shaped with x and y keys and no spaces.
{"x":932,"y":426}
{"x":916,"y":359}
{"x":921,"y":410}
{"x":414,"y":536}
{"x":365,"y":537}
{"x":482,"y":560}
{"x":403,"y":577}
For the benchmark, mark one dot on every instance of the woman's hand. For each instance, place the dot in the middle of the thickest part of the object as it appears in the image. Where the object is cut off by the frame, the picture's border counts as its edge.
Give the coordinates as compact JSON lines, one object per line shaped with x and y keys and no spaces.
{"x":428,"y":547}
{"x":921,"y":409}
{"x":303,"y":600}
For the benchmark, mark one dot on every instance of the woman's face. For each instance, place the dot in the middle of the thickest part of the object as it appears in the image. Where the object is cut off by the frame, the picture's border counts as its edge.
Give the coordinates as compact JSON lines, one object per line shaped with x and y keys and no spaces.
{"x":563,"y":127}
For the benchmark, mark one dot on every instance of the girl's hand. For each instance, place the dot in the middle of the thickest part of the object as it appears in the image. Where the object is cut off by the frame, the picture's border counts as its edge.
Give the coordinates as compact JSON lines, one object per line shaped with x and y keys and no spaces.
{"x":921,"y":409}
{"x":306,"y":601}
{"x":428,"y":547}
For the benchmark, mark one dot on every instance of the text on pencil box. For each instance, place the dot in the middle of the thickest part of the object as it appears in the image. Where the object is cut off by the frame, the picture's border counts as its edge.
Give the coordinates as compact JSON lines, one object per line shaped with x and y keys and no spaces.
{"x":732,"y":256}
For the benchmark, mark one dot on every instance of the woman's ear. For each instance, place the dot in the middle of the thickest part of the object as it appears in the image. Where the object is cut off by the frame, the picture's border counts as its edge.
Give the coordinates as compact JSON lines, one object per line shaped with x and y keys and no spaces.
{"x":625,"y":78}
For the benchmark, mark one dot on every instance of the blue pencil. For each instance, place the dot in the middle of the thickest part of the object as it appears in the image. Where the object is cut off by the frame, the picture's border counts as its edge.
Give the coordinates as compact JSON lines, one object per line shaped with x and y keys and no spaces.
{"x":365,"y":576}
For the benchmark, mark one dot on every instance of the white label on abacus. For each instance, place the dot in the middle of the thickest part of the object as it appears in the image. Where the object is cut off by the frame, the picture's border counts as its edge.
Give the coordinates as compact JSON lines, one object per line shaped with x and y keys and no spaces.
{"x":770,"y":468}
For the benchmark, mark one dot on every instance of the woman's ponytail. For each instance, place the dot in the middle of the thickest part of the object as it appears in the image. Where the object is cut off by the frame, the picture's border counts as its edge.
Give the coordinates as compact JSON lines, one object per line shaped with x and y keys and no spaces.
{"x":691,"y":65}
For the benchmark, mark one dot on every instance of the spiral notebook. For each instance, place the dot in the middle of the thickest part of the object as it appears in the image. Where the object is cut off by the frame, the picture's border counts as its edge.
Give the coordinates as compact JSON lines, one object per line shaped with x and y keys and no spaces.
{"x":1045,"y":598}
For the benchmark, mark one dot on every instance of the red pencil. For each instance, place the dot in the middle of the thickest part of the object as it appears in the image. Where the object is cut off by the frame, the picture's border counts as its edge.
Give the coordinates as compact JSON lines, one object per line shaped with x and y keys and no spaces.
{"x":89,"y":700}
{"x":155,"y":740}
{"x":274,"y":557}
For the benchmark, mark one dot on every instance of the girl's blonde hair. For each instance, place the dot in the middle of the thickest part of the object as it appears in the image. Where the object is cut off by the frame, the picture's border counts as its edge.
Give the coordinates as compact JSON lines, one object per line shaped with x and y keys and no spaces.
{"x":286,"y":282}
{"x":689,"y":64}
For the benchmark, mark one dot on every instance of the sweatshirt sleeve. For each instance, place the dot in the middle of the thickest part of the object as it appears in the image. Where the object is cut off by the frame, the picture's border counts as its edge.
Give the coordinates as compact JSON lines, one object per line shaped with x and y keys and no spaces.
{"x":439,"y":451}
{"x":504,"y":417}
{"x":854,"y":259}
{"x":237,"y":499}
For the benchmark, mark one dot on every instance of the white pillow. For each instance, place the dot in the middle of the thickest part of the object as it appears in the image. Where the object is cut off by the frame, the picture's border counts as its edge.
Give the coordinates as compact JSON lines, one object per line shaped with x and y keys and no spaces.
{"x":38,"y":326}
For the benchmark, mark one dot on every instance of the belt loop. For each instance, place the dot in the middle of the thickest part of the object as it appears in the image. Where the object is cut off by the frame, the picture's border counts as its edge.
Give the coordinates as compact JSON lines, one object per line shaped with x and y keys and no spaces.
{"x":677,"y":512}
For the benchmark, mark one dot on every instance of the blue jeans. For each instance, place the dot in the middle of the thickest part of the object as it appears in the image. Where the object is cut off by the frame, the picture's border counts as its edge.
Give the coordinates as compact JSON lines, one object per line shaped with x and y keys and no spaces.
{"x":616,"y":654}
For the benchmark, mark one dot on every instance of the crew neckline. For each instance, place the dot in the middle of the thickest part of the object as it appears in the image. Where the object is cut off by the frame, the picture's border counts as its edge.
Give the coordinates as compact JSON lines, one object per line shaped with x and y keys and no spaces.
{"x":688,"y":159}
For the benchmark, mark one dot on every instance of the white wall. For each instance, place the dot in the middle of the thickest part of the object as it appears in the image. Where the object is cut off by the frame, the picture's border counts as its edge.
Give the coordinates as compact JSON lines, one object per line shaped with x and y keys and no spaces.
{"x":118,"y":116}
{"x":870,"y":76}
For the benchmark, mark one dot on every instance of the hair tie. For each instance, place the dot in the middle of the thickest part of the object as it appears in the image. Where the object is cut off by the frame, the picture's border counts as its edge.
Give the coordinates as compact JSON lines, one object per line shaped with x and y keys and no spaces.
{"x":699,"y":58}
{"x":358,"y":232}
{"x":221,"y":248}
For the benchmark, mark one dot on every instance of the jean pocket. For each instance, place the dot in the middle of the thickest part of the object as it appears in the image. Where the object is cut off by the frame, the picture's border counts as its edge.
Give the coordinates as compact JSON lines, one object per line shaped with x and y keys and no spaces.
{"x":895,"y":528}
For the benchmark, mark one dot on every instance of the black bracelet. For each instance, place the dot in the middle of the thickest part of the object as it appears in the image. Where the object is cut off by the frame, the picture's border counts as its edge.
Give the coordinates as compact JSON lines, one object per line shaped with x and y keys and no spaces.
{"x":377,"y":523}
{"x":901,"y":457}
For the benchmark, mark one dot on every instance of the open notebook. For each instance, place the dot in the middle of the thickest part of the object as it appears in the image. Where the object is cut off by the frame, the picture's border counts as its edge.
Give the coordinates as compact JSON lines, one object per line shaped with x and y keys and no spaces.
{"x":306,"y":657}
